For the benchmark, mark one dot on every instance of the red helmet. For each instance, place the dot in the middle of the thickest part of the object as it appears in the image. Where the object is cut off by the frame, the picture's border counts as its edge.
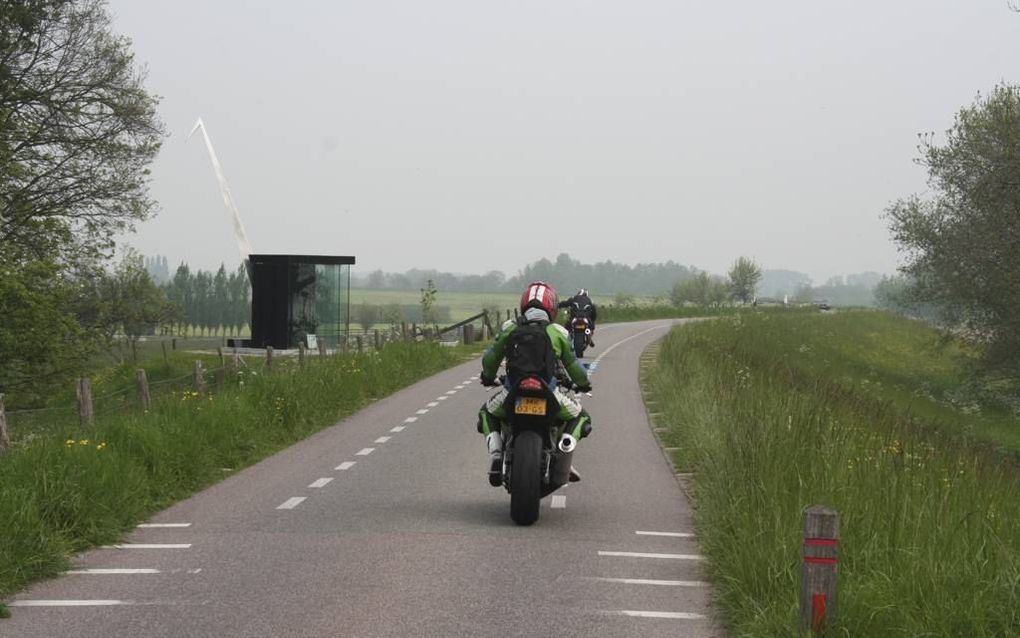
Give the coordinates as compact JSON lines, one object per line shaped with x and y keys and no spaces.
{"x":540,"y":295}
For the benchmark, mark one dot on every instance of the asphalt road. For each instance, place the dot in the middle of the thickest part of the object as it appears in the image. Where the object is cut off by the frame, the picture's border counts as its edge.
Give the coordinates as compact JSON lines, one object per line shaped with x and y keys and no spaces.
{"x":385,"y":525}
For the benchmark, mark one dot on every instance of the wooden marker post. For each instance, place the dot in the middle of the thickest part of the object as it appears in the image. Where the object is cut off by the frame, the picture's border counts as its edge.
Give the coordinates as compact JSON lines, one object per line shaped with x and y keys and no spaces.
{"x":818,"y":573}
{"x":301,"y":354}
{"x":269,"y":358}
{"x":199,"y":377}
{"x":166,"y":359}
{"x":143,"y":389}
{"x":322,"y":348}
{"x":5,"y":439}
{"x":83,"y":392}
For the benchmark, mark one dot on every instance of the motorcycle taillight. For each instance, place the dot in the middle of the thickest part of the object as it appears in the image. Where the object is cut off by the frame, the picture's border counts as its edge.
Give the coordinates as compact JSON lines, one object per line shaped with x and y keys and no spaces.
{"x":531,"y":384}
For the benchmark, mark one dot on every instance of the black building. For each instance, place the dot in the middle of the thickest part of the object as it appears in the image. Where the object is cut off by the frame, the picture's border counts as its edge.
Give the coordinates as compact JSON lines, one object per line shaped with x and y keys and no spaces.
{"x":295,"y":296}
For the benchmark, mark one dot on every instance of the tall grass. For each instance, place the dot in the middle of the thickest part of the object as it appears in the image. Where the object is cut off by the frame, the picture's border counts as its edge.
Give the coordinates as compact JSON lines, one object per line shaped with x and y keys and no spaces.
{"x":72,"y":490}
{"x":930,"y":544}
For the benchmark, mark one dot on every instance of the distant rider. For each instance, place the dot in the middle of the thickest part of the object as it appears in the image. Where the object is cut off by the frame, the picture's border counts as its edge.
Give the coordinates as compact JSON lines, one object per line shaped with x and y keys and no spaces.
{"x":538,"y":307}
{"x":581,"y":305}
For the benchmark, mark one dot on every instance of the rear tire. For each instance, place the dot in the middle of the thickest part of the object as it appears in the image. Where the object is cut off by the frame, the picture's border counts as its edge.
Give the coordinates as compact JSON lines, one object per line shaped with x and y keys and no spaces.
{"x":525,"y":478}
{"x":580,"y":343}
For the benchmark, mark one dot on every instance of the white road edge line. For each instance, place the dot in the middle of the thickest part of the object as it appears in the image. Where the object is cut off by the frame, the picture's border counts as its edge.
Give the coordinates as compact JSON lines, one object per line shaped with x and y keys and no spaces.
{"x":365,"y":451}
{"x":559,"y":502}
{"x":383,"y":439}
{"x":649,"y":581}
{"x":346,"y":465}
{"x":398,"y":428}
{"x":321,"y":482}
{"x":670,"y":534}
{"x":68,"y":603}
{"x":647,"y":555}
{"x":148,"y":525}
{"x":678,"y":615}
{"x":112,"y":571}
{"x":150,"y":546}
{"x":594,"y":364}
{"x":291,"y":503}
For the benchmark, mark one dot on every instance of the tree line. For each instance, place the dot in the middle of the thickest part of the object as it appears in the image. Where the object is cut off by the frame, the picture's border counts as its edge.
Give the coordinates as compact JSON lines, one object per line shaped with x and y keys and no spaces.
{"x":209,"y":303}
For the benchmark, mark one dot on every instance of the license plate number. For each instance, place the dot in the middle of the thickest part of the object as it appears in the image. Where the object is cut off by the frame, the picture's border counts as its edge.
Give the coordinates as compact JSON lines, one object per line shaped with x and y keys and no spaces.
{"x":530,"y":405}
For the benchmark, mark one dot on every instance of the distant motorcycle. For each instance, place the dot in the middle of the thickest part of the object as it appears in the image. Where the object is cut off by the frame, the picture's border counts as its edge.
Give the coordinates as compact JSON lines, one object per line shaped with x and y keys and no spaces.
{"x":580,"y":335}
{"x":537,"y":453}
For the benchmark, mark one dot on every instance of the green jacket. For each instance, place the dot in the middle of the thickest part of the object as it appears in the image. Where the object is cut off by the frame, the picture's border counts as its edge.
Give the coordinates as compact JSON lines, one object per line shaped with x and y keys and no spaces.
{"x":561,"y":346}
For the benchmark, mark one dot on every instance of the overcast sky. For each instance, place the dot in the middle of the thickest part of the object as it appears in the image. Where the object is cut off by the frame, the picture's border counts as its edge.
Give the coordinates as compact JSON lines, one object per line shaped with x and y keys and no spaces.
{"x":480,"y":134}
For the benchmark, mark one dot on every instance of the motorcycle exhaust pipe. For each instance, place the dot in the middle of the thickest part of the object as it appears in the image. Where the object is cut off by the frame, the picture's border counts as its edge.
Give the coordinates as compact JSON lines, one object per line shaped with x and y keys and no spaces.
{"x":567,"y":444}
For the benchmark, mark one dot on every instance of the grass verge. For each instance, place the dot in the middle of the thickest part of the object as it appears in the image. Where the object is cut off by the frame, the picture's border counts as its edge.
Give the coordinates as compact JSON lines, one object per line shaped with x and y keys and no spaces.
{"x":68,"y":491}
{"x":772,"y":416}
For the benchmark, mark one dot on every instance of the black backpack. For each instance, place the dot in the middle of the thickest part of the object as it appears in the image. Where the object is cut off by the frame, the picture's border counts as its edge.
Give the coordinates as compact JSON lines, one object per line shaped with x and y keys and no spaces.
{"x":529,"y":352}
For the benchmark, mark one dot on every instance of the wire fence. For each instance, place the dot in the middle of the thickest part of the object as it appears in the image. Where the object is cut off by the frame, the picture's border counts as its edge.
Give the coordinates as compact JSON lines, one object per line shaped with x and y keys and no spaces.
{"x":21,"y":426}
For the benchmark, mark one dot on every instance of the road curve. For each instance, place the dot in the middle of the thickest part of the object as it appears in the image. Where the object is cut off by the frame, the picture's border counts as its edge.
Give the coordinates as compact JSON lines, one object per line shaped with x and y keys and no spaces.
{"x":385,"y":525}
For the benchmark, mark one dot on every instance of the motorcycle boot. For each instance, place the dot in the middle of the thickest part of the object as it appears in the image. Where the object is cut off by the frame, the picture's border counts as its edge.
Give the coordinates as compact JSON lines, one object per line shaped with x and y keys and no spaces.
{"x":580,"y":426}
{"x":494,"y":443}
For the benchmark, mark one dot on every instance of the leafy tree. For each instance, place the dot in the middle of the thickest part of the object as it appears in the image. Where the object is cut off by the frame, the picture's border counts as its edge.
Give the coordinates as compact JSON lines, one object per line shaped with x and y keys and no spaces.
{"x":220,"y":314}
{"x":77,"y":130}
{"x":744,"y":277}
{"x":961,"y":242}
{"x":132,"y":304}
{"x":367,"y":316}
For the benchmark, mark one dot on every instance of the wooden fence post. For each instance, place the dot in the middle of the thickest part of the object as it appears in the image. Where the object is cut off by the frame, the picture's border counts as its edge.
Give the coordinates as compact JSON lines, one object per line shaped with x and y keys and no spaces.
{"x":269,"y":358}
{"x":301,"y":354}
{"x":199,"y":377}
{"x":143,"y":388}
{"x":322,"y":348}
{"x":414,"y":331}
{"x":5,"y":439}
{"x":83,"y":391}
{"x":378,"y":343}
{"x":361,"y":344}
{"x":235,"y":362}
{"x":469,"y":334}
{"x":818,"y":573}
{"x":166,"y":359}
{"x":223,"y":359}
{"x":403,"y":331}
{"x":173,"y":343}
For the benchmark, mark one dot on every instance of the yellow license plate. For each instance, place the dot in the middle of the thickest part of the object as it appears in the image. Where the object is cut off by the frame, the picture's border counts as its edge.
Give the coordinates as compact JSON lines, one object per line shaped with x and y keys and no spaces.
{"x":530,"y":405}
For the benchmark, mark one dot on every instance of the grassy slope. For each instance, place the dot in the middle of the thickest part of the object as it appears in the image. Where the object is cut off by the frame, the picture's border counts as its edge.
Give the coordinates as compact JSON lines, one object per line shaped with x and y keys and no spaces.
{"x":65,"y":491}
{"x":777,"y":412}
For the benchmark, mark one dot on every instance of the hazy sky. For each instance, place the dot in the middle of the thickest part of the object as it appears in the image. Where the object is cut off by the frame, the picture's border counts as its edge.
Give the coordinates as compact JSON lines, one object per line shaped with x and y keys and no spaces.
{"x":478,"y":134}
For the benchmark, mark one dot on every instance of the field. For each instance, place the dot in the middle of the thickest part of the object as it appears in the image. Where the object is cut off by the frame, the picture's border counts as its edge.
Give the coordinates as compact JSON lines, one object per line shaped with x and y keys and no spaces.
{"x":873,"y":416}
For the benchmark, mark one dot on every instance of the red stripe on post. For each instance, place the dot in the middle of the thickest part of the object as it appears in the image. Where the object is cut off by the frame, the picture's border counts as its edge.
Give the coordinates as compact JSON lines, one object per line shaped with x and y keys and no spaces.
{"x":817,"y":612}
{"x":820,"y":561}
{"x":821,"y":542}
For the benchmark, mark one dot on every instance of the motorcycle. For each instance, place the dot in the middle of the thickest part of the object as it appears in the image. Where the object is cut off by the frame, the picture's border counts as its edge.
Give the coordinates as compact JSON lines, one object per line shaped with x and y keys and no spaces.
{"x":537,"y":453}
{"x":580,"y":335}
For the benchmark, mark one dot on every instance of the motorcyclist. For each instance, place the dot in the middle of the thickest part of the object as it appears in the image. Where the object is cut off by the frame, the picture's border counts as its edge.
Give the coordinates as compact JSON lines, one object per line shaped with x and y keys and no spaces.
{"x":538,"y":306}
{"x":581,"y":305}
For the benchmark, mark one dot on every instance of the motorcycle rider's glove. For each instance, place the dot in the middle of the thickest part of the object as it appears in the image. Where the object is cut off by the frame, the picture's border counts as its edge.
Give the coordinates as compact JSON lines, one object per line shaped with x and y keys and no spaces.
{"x":583,"y":388}
{"x":488,"y":382}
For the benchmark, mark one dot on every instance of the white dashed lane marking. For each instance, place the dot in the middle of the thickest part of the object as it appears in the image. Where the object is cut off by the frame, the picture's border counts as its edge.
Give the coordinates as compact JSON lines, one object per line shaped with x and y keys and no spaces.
{"x":382,"y":439}
{"x":422,"y":411}
{"x":559,"y":502}
{"x":68,"y":603}
{"x":451,"y":392}
{"x":647,"y":555}
{"x":291,"y":503}
{"x":346,"y":465}
{"x":321,"y":482}
{"x":112,"y":571}
{"x":175,"y":525}
{"x":365,"y":451}
{"x":444,"y":398}
{"x":670,"y":534}
{"x":398,"y":428}
{"x":433,"y":404}
{"x":150,"y":546}
{"x":647,"y":581}
{"x":410,"y":419}
{"x":678,"y":615}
